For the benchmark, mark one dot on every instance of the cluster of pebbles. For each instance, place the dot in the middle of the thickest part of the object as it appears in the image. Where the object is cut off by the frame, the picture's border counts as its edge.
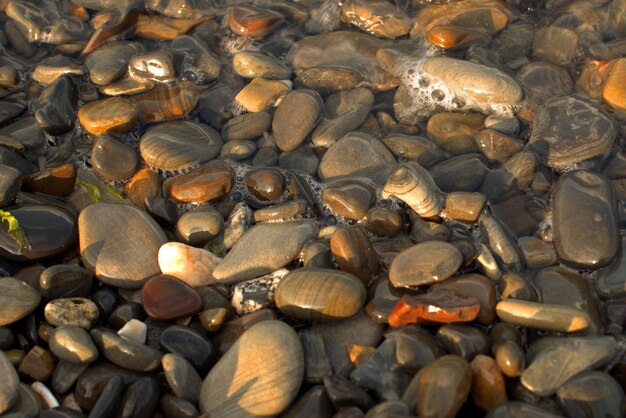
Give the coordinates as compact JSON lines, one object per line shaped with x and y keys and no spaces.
{"x":274,"y":208}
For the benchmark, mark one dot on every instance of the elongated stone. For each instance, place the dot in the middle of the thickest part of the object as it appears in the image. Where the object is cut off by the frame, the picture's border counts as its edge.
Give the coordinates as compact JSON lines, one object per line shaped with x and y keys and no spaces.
{"x":259,"y":376}
{"x":354,"y":253}
{"x":9,"y":383}
{"x":597,"y":243}
{"x":126,"y":353}
{"x":17,"y":300}
{"x":73,"y":344}
{"x":542,"y":316}
{"x":488,"y":388}
{"x":437,"y":306}
{"x":115,"y":115}
{"x":181,"y":377}
{"x":281,"y":242}
{"x":209,"y":182}
{"x":314,"y":294}
{"x":167,"y":102}
{"x":443,"y":386}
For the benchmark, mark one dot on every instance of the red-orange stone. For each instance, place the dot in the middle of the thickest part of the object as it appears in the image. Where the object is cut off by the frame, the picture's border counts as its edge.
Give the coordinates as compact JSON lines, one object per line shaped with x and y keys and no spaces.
{"x":58,"y":181}
{"x":253,"y":21}
{"x":441,"y":306}
{"x":210,"y":182}
{"x":453,"y":37}
{"x":166,"y":298}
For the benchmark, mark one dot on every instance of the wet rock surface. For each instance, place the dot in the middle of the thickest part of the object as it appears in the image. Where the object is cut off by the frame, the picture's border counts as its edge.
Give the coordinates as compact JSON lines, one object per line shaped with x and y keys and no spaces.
{"x":366,"y":208}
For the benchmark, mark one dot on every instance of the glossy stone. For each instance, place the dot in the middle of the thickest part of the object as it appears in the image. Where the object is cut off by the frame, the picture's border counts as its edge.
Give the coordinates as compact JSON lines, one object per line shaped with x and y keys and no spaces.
{"x":313,"y":402}
{"x":464,"y":206}
{"x":165,"y":298}
{"x":282,"y":243}
{"x":354,"y":253}
{"x":425,"y":263}
{"x":179,"y":145}
{"x":348,"y":199}
{"x":561,"y":141}
{"x":38,"y":364}
{"x":9,"y":383}
{"x":518,"y":409}
{"x":109,"y":62}
{"x":109,"y":247}
{"x":112,"y":159}
{"x":543,"y":316}
{"x":17,"y":300}
{"x":126,"y":353}
{"x":260,"y":375}
{"x":343,"y":393}
{"x":63,"y":280}
{"x":73,"y":344}
{"x":189,"y":344}
{"x":474,"y":286}
{"x":166,"y":102}
{"x":437,"y":306}
{"x":416,"y":348}
{"x":443,"y":387}
{"x":115,"y":115}
{"x":377,"y":17}
{"x":55,"y":112}
{"x":488,"y":390}
{"x":291,"y":127}
{"x":464,"y":340}
{"x":597,"y":244}
{"x":49,"y":230}
{"x":265,"y":184}
{"x":253,"y":21}
{"x":141,"y":399}
{"x":209,"y":182}
{"x":200,"y":225}
{"x":610,"y":283}
{"x":319,"y":294}
{"x":591,"y":393}
{"x":255,"y":64}
{"x":193,"y":266}
{"x":181,"y":377}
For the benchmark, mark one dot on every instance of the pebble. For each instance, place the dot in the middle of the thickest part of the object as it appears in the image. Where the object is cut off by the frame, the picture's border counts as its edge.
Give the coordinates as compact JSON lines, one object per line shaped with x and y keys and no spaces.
{"x":544,"y":316}
{"x":282,"y":242}
{"x":425,"y":263}
{"x":77,"y":311}
{"x":141,"y":399}
{"x":454,"y":132}
{"x":383,"y":222}
{"x":199,"y":226}
{"x":354,"y":253}
{"x":10,"y":184}
{"x":134,"y":330}
{"x":207,"y":183}
{"x":165,"y":298}
{"x":126,"y":353}
{"x":62,"y":280}
{"x":179,"y":145}
{"x":311,"y":294}
{"x":343,"y":393}
{"x":267,"y":361}
{"x":255,"y":64}
{"x":437,"y":306}
{"x":114,"y":115}
{"x":520,"y":409}
{"x":38,"y":364}
{"x":55,"y":112}
{"x":314,"y":402}
{"x":597,"y":244}
{"x":238,"y":150}
{"x":249,"y":126}
{"x":153,"y":66}
{"x":591,"y":393}
{"x":9,"y":384}
{"x":59,"y":181}
{"x":174,"y":407}
{"x":17,"y":300}
{"x":253,"y":21}
{"x":143,"y":184}
{"x":414,"y":148}
{"x":109,"y":62}
{"x":316,"y":363}
{"x":561,"y":141}
{"x":167,"y":102}
{"x":378,"y":17}
{"x":202,"y":66}
{"x":112,"y":159}
{"x":73,"y":344}
{"x":256,"y":294}
{"x":261,"y":94}
{"x":192,"y":266}
{"x":464,"y":340}
{"x":109,"y":247}
{"x":464,"y":206}
{"x":291,"y":127}
{"x":475,"y":82}
{"x":561,"y":358}
{"x":181,"y":377}
{"x":611,"y":93}
{"x":488,"y":385}
{"x":442,"y":387}
{"x":189,"y":344}
{"x":349,"y":199}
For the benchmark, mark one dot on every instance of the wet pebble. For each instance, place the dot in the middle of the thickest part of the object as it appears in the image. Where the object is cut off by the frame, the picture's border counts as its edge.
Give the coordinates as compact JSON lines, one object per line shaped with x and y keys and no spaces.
{"x":112,"y":159}
{"x":291,"y":127}
{"x":591,"y":393}
{"x":166,"y":298}
{"x":425,"y":263}
{"x":114,"y":115}
{"x":209,"y":182}
{"x":126,"y":353}
{"x":255,"y":64}
{"x":9,"y":383}
{"x":73,"y":344}
{"x":182,"y":378}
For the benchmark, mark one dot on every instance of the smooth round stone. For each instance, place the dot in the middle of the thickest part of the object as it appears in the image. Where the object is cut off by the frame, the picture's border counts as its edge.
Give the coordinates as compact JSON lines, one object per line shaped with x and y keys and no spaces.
{"x":561,"y":141}
{"x":249,"y":126}
{"x":165,"y":298}
{"x":556,"y":359}
{"x":178,"y":145}
{"x":425,"y":263}
{"x":464,"y":340}
{"x":110,"y":398}
{"x":63,"y":280}
{"x":193,"y":266}
{"x":9,"y":383}
{"x":354,"y":252}
{"x":126,"y":87}
{"x":357,"y":155}
{"x":115,"y":115}
{"x":537,"y":252}
{"x":81,"y":312}
{"x":58,"y":181}
{"x":443,"y":386}
{"x":261,"y":94}
{"x":464,"y":206}
{"x":126,"y":353}
{"x":474,"y":286}
{"x":49,"y":229}
{"x":162,"y":209}
{"x":314,"y":403}
{"x":202,"y":65}
{"x":55,"y":111}
{"x":17,"y":300}
{"x":501,"y":244}
{"x":303,"y":159}
{"x":488,"y":388}
{"x":345,"y":394}
{"x":253,"y":21}
{"x":73,"y":344}
{"x":295,"y":118}
{"x":379,"y":18}
{"x":10,"y":184}
{"x":238,"y":150}
{"x":597,"y":244}
{"x":510,"y":358}
{"x":462,"y":173}
{"x":255,"y":64}
{"x":349,"y":199}
{"x":189,"y":344}
{"x":200,"y":225}
{"x":141,"y":399}
{"x":153,"y":66}
{"x":145,"y":183}
{"x":125,"y":313}
{"x":454,"y":132}
{"x":486,"y":86}
{"x":37,"y":365}
{"x":175,"y":407}
{"x":281,"y":244}
{"x":182,"y":378}
{"x":112,"y":159}
{"x":259,"y":376}
{"x":591,"y":394}
{"x":109,"y":246}
{"x":416,"y":348}
{"x":383,"y":222}
{"x":456,"y":37}
{"x":167,"y":101}
{"x":548,"y":317}
{"x":414,"y":148}
{"x":495,"y":145}
{"x":109,"y":62}
{"x":210,"y":182}
{"x":313,"y":294}
{"x":281,"y":211}
{"x":265,"y":184}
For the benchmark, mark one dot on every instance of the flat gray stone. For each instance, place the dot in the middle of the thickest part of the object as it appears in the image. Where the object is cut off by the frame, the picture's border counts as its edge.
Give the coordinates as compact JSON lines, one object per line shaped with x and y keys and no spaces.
{"x":73,"y":344}
{"x":17,"y":299}
{"x":263,"y":249}
{"x":126,"y":353}
{"x":120,"y":244}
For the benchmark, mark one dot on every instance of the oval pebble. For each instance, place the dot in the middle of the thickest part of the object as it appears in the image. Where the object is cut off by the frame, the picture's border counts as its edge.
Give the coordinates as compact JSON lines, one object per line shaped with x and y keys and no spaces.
{"x":425,"y":263}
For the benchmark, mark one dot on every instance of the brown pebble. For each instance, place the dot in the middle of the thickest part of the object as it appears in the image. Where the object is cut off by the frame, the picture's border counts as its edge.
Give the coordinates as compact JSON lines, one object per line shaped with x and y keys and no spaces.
{"x":37,"y":365}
